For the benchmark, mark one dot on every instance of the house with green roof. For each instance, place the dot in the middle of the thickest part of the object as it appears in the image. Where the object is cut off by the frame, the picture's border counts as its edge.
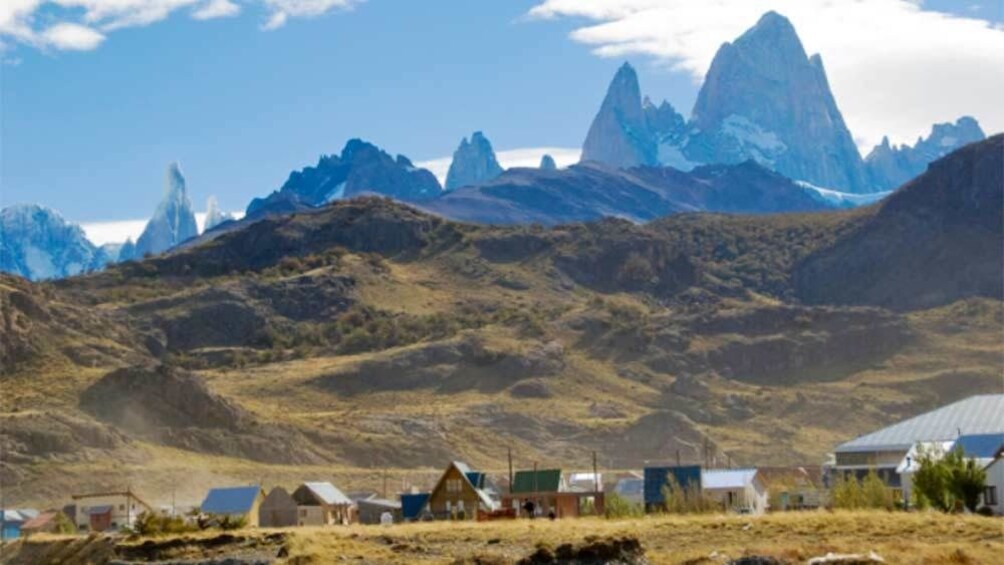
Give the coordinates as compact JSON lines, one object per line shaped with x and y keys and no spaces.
{"x":545,"y":493}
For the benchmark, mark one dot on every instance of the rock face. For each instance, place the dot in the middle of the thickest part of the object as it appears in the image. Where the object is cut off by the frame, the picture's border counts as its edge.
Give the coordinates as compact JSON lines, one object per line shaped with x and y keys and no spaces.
{"x":174,"y":220}
{"x":362,"y":168}
{"x":889,"y":166}
{"x":547,"y":163}
{"x":473,"y":163}
{"x":935,"y":240}
{"x":764,"y":99}
{"x":37,"y":243}
{"x":619,"y":134}
{"x":214,"y":216}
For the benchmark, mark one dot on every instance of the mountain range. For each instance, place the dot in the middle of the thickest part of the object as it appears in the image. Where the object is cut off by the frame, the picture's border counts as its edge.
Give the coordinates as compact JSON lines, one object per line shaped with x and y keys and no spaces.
{"x":764,"y":105}
{"x":367,"y":334}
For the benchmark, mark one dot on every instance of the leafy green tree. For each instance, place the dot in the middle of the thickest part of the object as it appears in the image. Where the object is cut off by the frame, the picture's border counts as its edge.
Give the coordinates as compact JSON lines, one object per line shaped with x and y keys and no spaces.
{"x":968,"y":480}
{"x":847,"y":493}
{"x":875,"y":492}
{"x":948,"y":482}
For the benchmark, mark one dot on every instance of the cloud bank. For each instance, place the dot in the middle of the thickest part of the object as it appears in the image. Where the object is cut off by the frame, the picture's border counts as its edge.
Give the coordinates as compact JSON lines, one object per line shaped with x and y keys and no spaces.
{"x":509,"y":158}
{"x":895,"y":68}
{"x":82,"y":25}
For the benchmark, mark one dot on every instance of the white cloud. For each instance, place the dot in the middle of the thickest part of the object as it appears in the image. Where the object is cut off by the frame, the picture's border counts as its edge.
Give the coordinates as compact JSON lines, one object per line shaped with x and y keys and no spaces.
{"x":282,"y":10}
{"x":216,"y":9}
{"x":894,"y":67}
{"x":72,"y":37}
{"x":509,"y":158}
{"x":117,"y":231}
{"x":82,"y":24}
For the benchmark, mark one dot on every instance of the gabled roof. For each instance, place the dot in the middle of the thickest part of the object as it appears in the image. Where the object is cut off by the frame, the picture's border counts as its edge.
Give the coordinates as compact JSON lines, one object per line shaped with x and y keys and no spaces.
{"x":327,"y":493}
{"x":39,"y":521}
{"x":231,"y":500}
{"x":542,"y":480}
{"x":727,"y":478}
{"x":980,"y":446}
{"x":974,"y":415}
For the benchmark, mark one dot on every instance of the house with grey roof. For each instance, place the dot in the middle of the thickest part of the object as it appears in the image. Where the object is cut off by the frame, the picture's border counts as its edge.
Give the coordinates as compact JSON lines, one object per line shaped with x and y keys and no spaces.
{"x":892,"y":452}
{"x":321,"y":503}
{"x":736,"y":490}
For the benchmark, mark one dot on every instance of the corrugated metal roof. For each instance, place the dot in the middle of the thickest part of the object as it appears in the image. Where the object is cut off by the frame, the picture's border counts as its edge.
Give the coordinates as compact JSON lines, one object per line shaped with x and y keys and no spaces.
{"x":98,"y":510}
{"x":727,"y":478}
{"x":231,"y":500}
{"x":380,"y":503}
{"x":980,"y":446}
{"x":327,"y":493}
{"x":983,"y":414}
{"x":413,"y":504}
{"x":543,"y":480}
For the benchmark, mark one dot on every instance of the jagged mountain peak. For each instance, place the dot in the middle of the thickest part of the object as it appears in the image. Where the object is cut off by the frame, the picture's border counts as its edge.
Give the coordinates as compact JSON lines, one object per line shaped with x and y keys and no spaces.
{"x":619,"y":134}
{"x":36,"y":242}
{"x":174,"y":219}
{"x":547,"y":163}
{"x":891,"y":165}
{"x":474,"y":163}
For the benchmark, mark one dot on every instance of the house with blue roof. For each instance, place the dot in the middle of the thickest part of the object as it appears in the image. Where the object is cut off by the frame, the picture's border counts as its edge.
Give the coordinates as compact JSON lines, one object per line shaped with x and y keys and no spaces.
{"x":234,"y":502}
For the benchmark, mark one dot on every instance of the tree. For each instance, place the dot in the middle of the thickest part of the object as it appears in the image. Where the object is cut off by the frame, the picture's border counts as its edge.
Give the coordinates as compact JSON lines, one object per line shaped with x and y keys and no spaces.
{"x":949,"y":481}
{"x":847,"y":493}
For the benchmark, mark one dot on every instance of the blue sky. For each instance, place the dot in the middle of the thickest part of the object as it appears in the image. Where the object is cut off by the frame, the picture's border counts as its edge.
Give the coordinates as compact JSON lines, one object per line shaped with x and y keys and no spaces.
{"x":89,"y":132}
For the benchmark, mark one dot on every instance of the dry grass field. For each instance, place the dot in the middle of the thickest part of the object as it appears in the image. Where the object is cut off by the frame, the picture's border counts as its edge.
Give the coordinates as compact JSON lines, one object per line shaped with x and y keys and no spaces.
{"x":791,"y":538}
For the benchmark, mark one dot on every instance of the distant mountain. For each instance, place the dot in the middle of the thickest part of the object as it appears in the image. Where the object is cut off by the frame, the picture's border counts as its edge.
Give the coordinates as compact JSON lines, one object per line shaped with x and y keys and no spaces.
{"x":174,"y":220}
{"x":547,"y":163}
{"x":362,"y":168}
{"x":214,"y":216}
{"x":37,"y":243}
{"x":935,"y":240}
{"x":889,"y":166}
{"x":620,"y":134}
{"x":592,"y":191}
{"x":473,"y":163}
{"x":764,"y":99}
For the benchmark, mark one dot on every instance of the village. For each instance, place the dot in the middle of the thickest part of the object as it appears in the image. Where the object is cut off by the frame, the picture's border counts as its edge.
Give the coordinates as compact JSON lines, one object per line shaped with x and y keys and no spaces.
{"x":971,"y":429}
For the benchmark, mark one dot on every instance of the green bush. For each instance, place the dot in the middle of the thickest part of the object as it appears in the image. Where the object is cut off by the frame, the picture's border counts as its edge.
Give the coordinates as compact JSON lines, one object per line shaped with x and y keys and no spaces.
{"x":948,"y":483}
{"x":616,"y":506}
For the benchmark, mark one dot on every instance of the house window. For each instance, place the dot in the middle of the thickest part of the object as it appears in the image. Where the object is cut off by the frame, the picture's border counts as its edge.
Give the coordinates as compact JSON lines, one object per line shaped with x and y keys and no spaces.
{"x":990,"y":496}
{"x":453,"y":485}
{"x":121,"y":506}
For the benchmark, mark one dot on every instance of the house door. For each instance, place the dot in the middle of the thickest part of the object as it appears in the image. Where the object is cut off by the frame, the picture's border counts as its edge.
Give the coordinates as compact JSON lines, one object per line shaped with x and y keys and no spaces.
{"x":101,"y":522}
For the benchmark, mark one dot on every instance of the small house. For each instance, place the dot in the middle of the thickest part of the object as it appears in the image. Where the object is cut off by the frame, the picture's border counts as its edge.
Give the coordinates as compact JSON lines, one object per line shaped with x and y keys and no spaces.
{"x":322,"y":504}
{"x":459,"y":494}
{"x":278,"y":510}
{"x":995,"y":484}
{"x":46,"y":523}
{"x":544,"y":492}
{"x":104,"y":511}
{"x":375,"y":510}
{"x":234,"y":503}
{"x":12,"y":521}
{"x":794,"y":488}
{"x":736,"y":490}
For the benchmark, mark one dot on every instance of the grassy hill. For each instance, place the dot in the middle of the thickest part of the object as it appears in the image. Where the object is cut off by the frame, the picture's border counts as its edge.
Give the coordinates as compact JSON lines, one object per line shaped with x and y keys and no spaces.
{"x":367,"y":339}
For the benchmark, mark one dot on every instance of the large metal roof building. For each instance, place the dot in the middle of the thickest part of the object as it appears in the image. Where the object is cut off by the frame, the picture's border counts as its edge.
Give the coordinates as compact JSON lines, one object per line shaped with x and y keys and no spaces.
{"x":983,"y":414}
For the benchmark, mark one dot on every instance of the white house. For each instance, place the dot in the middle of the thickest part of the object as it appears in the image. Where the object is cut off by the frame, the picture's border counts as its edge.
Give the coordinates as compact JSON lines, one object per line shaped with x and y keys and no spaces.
{"x":104,"y":511}
{"x":995,"y":484}
{"x":738,"y":490}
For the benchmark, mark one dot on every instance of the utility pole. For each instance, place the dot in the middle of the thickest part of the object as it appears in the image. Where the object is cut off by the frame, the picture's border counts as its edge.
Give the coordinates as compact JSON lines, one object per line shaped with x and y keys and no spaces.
{"x":596,"y":476}
{"x":385,"y":484}
{"x":678,"y":464}
{"x":509,"y":452}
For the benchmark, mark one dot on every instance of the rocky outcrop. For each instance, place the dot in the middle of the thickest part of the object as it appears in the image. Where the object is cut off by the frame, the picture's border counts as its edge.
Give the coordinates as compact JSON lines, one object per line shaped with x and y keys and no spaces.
{"x":935,"y":240}
{"x":764,"y":99}
{"x":362,"y":168}
{"x":37,"y":243}
{"x":176,"y":408}
{"x":889,"y":166}
{"x":473,"y":163}
{"x":174,"y":220}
